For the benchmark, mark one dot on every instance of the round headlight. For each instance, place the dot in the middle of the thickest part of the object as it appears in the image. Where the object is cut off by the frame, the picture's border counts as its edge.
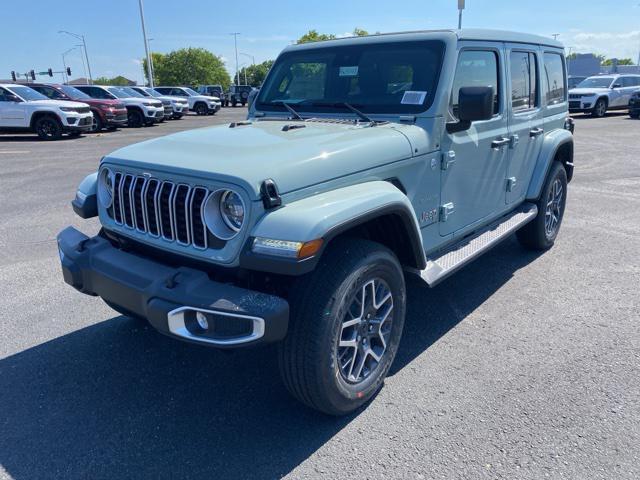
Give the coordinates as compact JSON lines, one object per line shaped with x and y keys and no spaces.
{"x":105,"y":187}
{"x":232,"y":210}
{"x":224,"y":214}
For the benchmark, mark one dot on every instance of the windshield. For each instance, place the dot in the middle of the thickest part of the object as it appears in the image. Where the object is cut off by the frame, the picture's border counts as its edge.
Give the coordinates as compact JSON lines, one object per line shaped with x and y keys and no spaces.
{"x":375,"y":78}
{"x":153,"y":93}
{"x":27,"y":93}
{"x":190,"y":92}
{"x":132,"y":92}
{"x":118,"y":92}
{"x":73,"y":92}
{"x":143,"y":91}
{"x":596,"y":82}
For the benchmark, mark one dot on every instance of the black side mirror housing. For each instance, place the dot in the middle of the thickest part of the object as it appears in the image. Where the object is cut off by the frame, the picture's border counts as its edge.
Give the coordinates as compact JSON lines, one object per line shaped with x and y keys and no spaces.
{"x":13,"y":98}
{"x":474,"y":104}
{"x":616,"y":85}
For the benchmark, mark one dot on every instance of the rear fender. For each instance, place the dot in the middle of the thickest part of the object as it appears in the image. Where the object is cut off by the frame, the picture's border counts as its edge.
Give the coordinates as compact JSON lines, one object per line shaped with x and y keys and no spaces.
{"x":553,"y":142}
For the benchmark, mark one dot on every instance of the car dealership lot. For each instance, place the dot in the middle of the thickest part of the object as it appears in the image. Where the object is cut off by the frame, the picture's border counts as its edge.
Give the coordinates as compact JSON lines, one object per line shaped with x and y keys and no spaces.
{"x":520,"y":366}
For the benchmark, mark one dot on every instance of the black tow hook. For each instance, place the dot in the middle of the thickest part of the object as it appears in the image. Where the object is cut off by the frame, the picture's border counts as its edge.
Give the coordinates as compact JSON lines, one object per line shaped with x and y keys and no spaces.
{"x":172,"y":281}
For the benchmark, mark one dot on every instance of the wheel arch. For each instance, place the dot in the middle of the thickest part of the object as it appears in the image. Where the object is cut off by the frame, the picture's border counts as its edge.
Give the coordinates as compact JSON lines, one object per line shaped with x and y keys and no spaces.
{"x":40,"y":114}
{"x":557,"y":146}
{"x":376,"y":211}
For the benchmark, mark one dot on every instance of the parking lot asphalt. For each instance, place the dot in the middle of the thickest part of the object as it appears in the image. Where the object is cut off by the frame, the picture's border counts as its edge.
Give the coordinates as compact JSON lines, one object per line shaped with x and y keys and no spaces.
{"x":521,"y":366}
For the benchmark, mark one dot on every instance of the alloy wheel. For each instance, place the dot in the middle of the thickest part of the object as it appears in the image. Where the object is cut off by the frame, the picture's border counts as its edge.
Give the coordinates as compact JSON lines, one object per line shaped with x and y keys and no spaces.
{"x":554,"y":208}
{"x":365,"y":331}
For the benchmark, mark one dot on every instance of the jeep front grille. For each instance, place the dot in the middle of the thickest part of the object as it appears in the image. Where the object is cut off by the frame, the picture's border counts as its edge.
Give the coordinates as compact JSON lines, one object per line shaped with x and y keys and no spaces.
{"x":160,"y":209}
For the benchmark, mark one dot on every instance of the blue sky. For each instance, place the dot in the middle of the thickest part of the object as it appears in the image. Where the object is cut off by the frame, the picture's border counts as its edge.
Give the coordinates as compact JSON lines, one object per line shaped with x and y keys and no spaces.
{"x":114,"y":37}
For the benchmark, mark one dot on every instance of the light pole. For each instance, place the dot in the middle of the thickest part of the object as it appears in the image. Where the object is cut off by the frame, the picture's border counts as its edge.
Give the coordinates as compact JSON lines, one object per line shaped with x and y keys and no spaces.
{"x":146,"y":45}
{"x":460,"y":8}
{"x":65,"y":78}
{"x":84,"y":44}
{"x":84,"y":67}
{"x":569,"y":60}
{"x":235,"y":41}
{"x":153,"y":70}
{"x":253,"y":63}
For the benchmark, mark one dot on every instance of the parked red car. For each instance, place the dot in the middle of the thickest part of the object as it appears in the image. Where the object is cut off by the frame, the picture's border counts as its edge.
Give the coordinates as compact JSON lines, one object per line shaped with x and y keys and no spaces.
{"x":107,"y":113}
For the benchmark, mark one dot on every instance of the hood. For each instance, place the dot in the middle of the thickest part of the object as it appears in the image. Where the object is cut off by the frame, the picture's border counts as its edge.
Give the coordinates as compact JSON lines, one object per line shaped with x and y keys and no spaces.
{"x":140,"y":101}
{"x":205,"y":97}
{"x":582,"y":91}
{"x":101,"y":101}
{"x":294,"y":158}
{"x":167,"y":98}
{"x":58,"y":103}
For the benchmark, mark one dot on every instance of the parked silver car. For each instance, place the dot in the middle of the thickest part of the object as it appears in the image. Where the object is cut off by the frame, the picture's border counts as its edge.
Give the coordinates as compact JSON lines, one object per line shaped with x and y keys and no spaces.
{"x":596,"y":95}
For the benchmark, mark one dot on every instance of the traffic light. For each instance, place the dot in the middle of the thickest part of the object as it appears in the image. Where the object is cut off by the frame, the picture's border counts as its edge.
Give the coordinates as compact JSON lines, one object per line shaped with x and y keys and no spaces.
{"x":69,"y":71}
{"x":50,"y":72}
{"x":13,"y":75}
{"x":32,"y":74}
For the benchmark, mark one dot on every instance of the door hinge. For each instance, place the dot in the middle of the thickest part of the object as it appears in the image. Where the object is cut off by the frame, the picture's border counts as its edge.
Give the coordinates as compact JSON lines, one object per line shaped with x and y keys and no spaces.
{"x":448,"y":159}
{"x":446,"y":210}
{"x":511,"y":184}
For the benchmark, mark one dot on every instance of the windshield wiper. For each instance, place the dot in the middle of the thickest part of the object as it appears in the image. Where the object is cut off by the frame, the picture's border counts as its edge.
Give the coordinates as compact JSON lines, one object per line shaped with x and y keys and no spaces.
{"x":288,"y":107}
{"x":348,"y":106}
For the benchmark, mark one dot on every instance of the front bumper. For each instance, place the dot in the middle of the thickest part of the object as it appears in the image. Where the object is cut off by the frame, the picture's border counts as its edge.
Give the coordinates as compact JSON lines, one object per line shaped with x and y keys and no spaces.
{"x":81,"y":123}
{"x":583,"y":104}
{"x":117,"y":119}
{"x":170,"y":297}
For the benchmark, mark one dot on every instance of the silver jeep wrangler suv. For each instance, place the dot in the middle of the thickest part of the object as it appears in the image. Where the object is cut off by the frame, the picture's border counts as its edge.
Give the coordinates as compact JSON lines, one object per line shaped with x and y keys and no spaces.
{"x":363,"y":160}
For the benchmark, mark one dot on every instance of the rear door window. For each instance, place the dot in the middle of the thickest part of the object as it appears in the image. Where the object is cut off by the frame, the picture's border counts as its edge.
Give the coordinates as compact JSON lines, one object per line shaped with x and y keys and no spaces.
{"x":524,"y":81}
{"x":554,"y":78}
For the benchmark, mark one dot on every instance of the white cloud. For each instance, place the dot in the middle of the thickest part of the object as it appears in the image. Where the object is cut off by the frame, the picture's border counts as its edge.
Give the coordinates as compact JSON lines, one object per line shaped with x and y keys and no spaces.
{"x":610,"y":44}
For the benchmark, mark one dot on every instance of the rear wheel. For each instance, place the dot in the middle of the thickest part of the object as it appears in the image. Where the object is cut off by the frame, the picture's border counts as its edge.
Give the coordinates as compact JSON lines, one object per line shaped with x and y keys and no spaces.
{"x":600,"y":108}
{"x":135,"y":119}
{"x":541,"y":232}
{"x":346,"y":323}
{"x":48,"y":128}
{"x":634,"y":113}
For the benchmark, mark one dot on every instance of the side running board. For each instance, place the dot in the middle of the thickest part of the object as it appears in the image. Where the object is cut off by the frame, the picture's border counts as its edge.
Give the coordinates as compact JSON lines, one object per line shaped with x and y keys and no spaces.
{"x":448,"y":261}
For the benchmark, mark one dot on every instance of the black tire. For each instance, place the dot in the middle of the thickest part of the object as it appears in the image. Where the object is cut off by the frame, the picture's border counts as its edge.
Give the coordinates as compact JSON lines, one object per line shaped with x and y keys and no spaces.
{"x":600,"y":108}
{"x":244,"y":103}
{"x":234,"y":103}
{"x":48,"y":127}
{"x":135,"y":118}
{"x":177,"y":116}
{"x":536,"y":235}
{"x":97,"y":124}
{"x":634,"y":113}
{"x":75,"y":133}
{"x":310,"y":357}
{"x":200,"y":108}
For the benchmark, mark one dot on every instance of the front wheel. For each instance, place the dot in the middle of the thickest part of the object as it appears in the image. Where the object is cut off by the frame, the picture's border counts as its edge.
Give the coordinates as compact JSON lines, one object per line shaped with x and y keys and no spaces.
{"x":600,"y":108}
{"x":541,"y":232}
{"x":135,"y":119}
{"x":96,"y":123}
{"x":346,"y":322}
{"x":201,"y":109}
{"x":48,"y":128}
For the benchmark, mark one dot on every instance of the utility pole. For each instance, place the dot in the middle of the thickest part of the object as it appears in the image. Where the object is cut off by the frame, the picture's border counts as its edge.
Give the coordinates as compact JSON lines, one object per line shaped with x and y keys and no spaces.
{"x":84,"y":44}
{"x":235,"y":41}
{"x":555,"y":36}
{"x":64,"y":63}
{"x":460,"y":8}
{"x":146,"y":45}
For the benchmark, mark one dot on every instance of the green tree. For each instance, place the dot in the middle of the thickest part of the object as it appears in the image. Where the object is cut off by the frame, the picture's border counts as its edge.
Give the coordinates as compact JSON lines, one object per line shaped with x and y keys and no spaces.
{"x":255,"y":74}
{"x":314,"y":36}
{"x":118,"y":81}
{"x":621,"y":61}
{"x":188,"y":66}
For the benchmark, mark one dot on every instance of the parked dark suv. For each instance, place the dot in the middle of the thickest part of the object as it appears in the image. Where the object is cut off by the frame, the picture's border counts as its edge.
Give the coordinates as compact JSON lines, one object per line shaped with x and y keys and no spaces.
{"x":109,"y":114}
{"x":238,"y":94}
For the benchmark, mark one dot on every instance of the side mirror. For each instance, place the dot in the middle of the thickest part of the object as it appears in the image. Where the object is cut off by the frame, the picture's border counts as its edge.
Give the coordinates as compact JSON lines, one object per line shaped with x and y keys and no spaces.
{"x":13,"y":98}
{"x":474,"y":104}
{"x":616,"y":85}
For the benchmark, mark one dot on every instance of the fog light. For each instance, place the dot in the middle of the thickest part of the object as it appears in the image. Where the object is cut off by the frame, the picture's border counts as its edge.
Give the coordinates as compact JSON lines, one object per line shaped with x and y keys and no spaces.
{"x":201,"y":318}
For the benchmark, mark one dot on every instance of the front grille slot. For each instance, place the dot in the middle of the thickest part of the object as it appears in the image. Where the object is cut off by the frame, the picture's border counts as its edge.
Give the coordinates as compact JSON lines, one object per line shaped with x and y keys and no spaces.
{"x":181,"y":216}
{"x":161,"y":209}
{"x":127,"y":210}
{"x":198,"y":229}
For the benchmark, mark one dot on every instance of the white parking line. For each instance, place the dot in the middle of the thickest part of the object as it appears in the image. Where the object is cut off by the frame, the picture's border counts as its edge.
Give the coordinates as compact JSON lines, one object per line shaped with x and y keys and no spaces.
{"x":14,"y":151}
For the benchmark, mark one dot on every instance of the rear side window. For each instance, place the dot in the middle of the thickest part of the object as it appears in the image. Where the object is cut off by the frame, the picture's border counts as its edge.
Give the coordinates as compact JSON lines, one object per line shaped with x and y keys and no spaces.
{"x":630,"y":81}
{"x":554,"y":78}
{"x":476,"y":68}
{"x":524,"y":81}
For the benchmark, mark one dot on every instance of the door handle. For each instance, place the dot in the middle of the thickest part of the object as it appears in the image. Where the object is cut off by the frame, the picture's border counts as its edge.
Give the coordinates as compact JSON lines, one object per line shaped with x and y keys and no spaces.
{"x":500,"y":142}
{"x":536,"y":132}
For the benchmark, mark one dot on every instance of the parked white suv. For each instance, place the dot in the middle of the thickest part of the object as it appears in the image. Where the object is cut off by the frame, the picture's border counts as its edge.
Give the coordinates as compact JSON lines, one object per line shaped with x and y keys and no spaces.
{"x":201,"y":104}
{"x":596,"y":95}
{"x":179,"y":105}
{"x":140,"y":111}
{"x":24,"y":109}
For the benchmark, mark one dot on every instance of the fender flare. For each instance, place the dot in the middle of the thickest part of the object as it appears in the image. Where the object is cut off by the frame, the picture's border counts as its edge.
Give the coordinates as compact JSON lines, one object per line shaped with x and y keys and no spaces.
{"x":86,"y":202}
{"x":35,"y":116}
{"x":552,"y":143}
{"x":327,"y":215}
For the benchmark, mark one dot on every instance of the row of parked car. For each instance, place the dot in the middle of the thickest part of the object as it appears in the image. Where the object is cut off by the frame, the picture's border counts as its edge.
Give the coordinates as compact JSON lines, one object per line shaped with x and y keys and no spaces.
{"x":598,"y":94}
{"x":52,"y":110}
